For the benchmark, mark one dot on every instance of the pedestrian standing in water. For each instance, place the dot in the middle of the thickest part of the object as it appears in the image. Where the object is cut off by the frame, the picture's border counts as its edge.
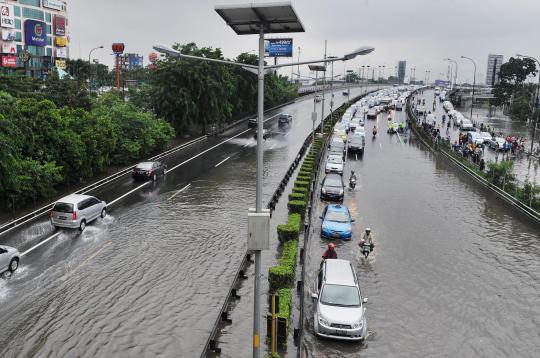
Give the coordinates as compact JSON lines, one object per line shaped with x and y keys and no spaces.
{"x":482,"y":164}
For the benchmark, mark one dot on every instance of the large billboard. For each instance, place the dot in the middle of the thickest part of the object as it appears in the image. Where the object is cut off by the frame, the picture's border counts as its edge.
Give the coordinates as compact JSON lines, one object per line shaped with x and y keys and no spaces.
{"x":278,"y":48}
{"x":34,"y":33}
{"x":7,"y":16}
{"x":59,"y":25}
{"x":52,"y":4}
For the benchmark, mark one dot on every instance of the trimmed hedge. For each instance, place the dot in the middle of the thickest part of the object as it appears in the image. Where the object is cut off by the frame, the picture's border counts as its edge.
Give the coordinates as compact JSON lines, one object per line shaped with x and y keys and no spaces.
{"x":297,"y":207}
{"x":305,"y":173}
{"x":291,"y":230}
{"x":303,"y":177}
{"x":282,"y":275}
{"x":300,"y":190}
{"x":302,"y":184}
{"x":297,"y":196}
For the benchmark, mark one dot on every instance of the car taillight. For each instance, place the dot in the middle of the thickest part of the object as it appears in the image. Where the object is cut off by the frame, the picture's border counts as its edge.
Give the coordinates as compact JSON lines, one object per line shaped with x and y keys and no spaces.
{"x":74,"y":215}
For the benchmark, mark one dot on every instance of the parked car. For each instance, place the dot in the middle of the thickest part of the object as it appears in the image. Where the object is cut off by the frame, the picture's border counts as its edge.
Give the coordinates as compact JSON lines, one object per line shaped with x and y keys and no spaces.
{"x":340,"y":131}
{"x":318,"y":98}
{"x":9,"y":259}
{"x":75,"y":211}
{"x":486,"y":136}
{"x":252,"y":123}
{"x":149,"y":171}
{"x":284,"y":118}
{"x":498,"y":144}
{"x":334,"y":164}
{"x":332,"y":187}
{"x":336,"y":222}
{"x":340,"y":310}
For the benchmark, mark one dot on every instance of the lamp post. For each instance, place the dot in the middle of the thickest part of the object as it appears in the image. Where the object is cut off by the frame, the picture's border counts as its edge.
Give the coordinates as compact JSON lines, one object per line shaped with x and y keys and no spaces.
{"x":536,"y":103}
{"x":455,"y":72}
{"x":331,"y":91}
{"x":90,"y":68}
{"x":256,"y":19}
{"x":474,"y":82}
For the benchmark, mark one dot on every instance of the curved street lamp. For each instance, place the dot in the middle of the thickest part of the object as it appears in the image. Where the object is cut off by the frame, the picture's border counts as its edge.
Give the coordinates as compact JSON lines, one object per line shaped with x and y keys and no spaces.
{"x":455,"y":74}
{"x":474,"y":82}
{"x":90,"y":67}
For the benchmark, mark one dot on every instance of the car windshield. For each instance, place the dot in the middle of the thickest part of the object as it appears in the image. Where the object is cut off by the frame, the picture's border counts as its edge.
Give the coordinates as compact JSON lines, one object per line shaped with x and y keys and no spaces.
{"x":145,"y":166}
{"x":333,"y":182}
{"x":337,"y":216}
{"x":335,"y":160}
{"x":338,"y":295}
{"x":63,"y":208}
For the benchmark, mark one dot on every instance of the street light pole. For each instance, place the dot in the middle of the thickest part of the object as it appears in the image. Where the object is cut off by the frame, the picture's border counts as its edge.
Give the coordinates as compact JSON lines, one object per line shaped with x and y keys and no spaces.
{"x":455,"y":73}
{"x":536,"y":103}
{"x":323,"y":93}
{"x":474,"y":82}
{"x":90,"y":68}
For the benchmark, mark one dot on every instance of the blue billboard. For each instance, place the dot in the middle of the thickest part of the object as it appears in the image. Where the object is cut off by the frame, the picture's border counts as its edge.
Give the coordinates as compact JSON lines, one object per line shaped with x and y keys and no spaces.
{"x":278,"y":48}
{"x":35,"y":33}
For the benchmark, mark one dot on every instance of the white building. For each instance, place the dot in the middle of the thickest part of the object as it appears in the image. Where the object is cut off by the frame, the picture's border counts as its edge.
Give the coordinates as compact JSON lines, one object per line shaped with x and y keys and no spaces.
{"x":39,"y":27}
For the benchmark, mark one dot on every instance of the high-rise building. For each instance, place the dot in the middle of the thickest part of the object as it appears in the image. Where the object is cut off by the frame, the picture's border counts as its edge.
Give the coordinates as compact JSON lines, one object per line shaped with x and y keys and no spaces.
{"x":493,"y":68}
{"x":36,"y":31}
{"x":402,"y":68}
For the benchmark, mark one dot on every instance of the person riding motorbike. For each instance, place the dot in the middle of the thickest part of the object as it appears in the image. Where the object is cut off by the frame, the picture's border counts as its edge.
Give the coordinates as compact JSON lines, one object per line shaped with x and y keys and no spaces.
{"x":374,"y":130}
{"x":330,"y":253}
{"x":367,"y":238}
{"x":353,"y":176}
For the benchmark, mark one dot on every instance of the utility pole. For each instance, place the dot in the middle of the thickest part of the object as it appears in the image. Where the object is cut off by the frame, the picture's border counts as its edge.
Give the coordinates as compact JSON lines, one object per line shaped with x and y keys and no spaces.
{"x":299,"y":64}
{"x":323,"y":93}
{"x":474,"y":83}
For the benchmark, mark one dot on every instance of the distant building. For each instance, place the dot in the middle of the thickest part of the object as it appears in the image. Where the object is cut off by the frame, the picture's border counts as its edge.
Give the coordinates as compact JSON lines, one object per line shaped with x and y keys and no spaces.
{"x":493,"y":68}
{"x":36,"y":27}
{"x":402,"y":69}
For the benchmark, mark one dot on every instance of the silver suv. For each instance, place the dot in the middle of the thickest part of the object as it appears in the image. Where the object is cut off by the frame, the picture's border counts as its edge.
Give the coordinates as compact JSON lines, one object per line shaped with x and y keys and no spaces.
{"x":75,"y":211}
{"x":9,"y":259}
{"x":340,"y":310}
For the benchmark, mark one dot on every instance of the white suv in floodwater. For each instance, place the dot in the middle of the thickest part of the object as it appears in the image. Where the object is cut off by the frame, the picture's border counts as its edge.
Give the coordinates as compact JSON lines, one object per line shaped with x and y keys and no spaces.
{"x":340,"y":310}
{"x":75,"y":211}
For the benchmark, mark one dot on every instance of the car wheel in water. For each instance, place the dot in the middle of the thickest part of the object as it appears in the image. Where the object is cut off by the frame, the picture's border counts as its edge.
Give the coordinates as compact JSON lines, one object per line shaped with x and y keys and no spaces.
{"x":82,"y":226}
{"x":14,"y":265}
{"x":103,"y":213}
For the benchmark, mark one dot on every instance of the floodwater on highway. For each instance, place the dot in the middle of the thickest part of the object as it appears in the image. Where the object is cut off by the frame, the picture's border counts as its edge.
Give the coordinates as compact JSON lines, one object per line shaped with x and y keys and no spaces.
{"x":149,"y":279}
{"x":455,"y":271}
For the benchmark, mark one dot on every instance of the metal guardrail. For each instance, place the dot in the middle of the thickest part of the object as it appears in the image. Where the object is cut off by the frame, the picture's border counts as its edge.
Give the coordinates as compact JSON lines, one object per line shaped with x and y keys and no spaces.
{"x":527,"y":210}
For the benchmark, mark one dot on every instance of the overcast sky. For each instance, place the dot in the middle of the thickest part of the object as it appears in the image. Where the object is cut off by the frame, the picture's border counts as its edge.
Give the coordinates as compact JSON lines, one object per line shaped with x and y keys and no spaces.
{"x":422,"y":32}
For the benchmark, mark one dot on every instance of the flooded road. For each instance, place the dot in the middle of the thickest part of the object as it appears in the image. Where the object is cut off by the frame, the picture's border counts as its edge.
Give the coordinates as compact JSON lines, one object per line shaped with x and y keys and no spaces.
{"x":455,"y":271}
{"x":149,"y":279}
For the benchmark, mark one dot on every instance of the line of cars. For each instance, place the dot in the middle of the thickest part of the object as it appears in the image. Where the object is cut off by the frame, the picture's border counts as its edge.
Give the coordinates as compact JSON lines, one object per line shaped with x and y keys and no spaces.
{"x":471,"y":133}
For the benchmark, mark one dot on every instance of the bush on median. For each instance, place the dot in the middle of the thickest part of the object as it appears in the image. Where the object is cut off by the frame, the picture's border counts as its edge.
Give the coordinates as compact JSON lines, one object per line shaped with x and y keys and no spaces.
{"x":297,"y":207}
{"x":291,"y":230}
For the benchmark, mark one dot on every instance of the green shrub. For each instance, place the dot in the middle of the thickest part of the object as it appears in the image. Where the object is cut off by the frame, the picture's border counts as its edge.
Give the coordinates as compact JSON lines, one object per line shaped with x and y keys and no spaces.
{"x":300,"y":190}
{"x":297,"y":196}
{"x":285,"y":302}
{"x":302,"y":183}
{"x":304,"y":177}
{"x":291,"y":230}
{"x":297,"y":206}
{"x":289,"y":253}
{"x":306,"y":173}
{"x":279,"y":277}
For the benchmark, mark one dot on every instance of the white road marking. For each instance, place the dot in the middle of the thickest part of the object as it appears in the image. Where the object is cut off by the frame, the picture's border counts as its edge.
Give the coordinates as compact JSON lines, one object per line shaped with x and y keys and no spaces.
{"x":84,"y":262}
{"x":41,"y":243}
{"x":215,"y":146}
{"x":223,"y":161}
{"x":179,"y":191}
{"x":248,"y":143}
{"x":380,"y":144}
{"x":286,"y":134}
{"x":129,"y":192}
{"x":272,"y":147}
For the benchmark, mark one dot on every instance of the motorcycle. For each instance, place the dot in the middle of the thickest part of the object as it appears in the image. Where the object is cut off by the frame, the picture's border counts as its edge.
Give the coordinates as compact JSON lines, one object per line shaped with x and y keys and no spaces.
{"x":366,"y":249}
{"x":374,"y":132}
{"x":352,"y":182}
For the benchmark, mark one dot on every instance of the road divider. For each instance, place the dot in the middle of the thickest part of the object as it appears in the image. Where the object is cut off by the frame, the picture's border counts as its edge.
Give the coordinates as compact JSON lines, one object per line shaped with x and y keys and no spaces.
{"x":40,"y":243}
{"x":180,"y":191}
{"x":223,"y":161}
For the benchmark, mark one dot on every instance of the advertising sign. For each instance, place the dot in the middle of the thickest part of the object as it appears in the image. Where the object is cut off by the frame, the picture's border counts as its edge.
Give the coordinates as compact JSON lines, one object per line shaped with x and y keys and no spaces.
{"x":61,"y":64}
{"x":61,"y":52}
{"x":34,"y":33}
{"x":9,"y":61}
{"x":9,"y":47}
{"x":7,"y":17}
{"x":60,"y":42}
{"x":118,"y":48}
{"x":278,"y":47}
{"x":153,"y":57}
{"x":25,"y":56}
{"x":59,"y":25}
{"x":9,"y":35}
{"x":52,"y":4}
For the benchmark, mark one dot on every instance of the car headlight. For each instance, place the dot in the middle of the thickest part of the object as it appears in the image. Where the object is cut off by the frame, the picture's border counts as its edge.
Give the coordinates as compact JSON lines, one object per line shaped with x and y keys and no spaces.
{"x":323,"y":190}
{"x":358,"y":324}
{"x":341,"y":192}
{"x":323,"y":321}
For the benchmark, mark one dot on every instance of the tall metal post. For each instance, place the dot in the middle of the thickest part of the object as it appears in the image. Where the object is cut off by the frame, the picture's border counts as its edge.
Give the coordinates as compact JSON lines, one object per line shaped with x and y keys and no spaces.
{"x":299,"y":81}
{"x":314,"y":114}
{"x":323,"y":93}
{"x":474,"y":83}
{"x":258,"y":197}
{"x":332,"y":92}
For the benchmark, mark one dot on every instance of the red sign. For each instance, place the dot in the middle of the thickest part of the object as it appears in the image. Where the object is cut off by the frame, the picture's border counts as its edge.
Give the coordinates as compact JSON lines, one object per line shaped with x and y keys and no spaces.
{"x":153,"y":57}
{"x":118,"y":48}
{"x":9,"y":61}
{"x":59,"y":25}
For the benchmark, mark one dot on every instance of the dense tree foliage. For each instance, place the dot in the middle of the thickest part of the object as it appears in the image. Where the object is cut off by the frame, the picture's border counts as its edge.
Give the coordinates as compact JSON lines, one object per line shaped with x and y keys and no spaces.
{"x":43,"y":145}
{"x":512,"y":91}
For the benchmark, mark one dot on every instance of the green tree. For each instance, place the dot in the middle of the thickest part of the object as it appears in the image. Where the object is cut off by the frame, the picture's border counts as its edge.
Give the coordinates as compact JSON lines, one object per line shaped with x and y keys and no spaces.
{"x":502,"y":174}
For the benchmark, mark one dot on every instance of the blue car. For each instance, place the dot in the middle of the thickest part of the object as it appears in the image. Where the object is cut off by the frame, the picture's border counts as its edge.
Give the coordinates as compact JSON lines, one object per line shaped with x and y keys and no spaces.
{"x":336,"y":222}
